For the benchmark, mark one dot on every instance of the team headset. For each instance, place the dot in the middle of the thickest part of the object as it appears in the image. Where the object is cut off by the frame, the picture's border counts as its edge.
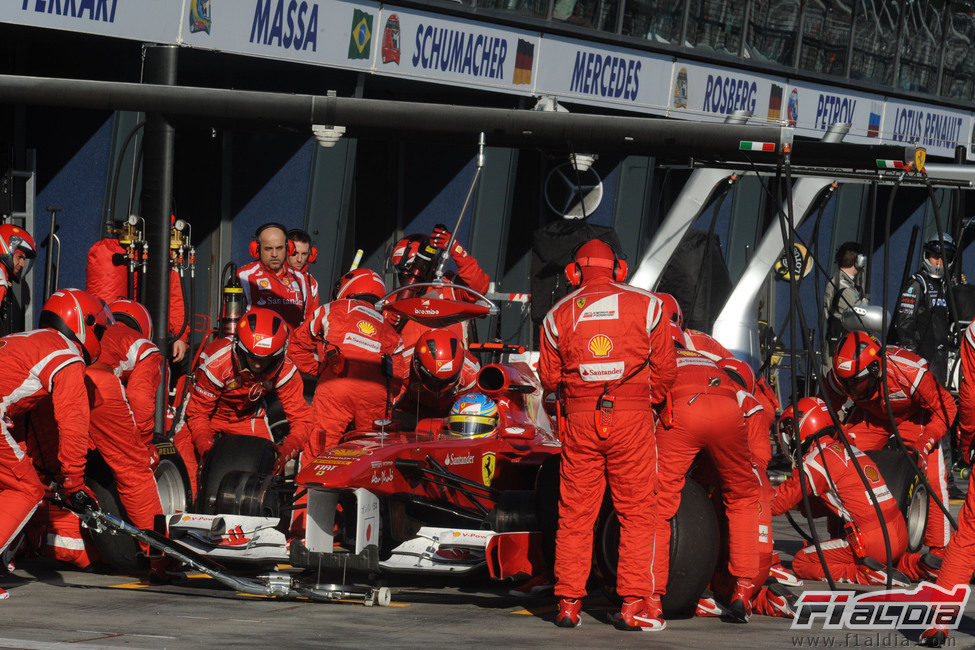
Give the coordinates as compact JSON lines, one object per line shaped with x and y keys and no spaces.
{"x":312,"y":251}
{"x":859,"y":263}
{"x":573,"y":270}
{"x":255,"y":245}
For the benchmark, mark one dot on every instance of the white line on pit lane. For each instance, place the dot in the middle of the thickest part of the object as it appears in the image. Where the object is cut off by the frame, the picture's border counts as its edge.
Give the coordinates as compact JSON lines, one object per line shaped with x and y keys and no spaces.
{"x":52,"y":645}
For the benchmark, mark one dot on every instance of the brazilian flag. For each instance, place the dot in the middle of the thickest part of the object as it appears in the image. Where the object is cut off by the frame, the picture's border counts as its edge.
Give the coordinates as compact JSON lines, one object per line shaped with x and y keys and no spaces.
{"x":360,"y":40}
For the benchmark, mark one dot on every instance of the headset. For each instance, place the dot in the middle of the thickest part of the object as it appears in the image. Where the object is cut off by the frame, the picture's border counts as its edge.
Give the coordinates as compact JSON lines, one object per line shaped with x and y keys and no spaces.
{"x":255,"y":246}
{"x":312,"y":251}
{"x":859,"y":263}
{"x":573,"y":270}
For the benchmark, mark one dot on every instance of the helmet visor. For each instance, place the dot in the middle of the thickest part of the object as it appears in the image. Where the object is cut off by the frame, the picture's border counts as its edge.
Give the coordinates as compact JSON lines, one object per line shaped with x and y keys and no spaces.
{"x":862,"y":385}
{"x":259,"y":366}
{"x":472,"y":426}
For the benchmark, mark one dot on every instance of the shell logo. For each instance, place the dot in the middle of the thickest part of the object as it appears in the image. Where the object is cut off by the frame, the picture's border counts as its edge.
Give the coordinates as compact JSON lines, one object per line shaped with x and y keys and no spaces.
{"x":264,"y":284}
{"x":600,"y":345}
{"x":871,"y":472}
{"x":366,"y":327}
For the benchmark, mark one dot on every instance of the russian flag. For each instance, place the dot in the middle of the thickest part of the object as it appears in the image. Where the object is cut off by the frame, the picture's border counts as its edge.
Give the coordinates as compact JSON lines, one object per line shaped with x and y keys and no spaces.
{"x":873,"y":127}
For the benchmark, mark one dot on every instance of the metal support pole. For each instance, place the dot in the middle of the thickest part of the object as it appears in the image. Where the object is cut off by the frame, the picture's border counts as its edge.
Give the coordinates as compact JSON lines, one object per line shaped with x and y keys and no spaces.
{"x":159,"y":148}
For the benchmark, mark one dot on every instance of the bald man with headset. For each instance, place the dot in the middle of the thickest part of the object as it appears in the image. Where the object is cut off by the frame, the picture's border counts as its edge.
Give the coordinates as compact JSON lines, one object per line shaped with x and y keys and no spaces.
{"x":270,"y":282}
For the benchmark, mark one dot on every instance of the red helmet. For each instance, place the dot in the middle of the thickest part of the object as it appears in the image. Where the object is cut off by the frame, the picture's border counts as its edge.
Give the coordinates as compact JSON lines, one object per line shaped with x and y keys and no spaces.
{"x":133,"y":314}
{"x":405,"y":251}
{"x":856,"y":364}
{"x":260,"y":343}
{"x":360,"y":284}
{"x":739,"y":371}
{"x":13,"y":239}
{"x":672,"y":311}
{"x":814,"y":420}
{"x":80,"y":317}
{"x":438,"y":359}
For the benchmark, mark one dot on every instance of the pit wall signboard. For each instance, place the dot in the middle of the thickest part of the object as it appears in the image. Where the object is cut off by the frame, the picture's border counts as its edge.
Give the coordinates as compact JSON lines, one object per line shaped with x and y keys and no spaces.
{"x":155,"y":21}
{"x":326,"y":32}
{"x":401,"y":42}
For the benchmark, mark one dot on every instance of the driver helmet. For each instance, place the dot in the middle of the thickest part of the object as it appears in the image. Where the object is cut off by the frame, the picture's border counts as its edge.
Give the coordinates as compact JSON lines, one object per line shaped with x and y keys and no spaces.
{"x":404,"y":252}
{"x":438,"y":358}
{"x":12,"y":240}
{"x":260,"y":343}
{"x":134,"y":315}
{"x":856,"y":364}
{"x":360,"y":284}
{"x":814,"y":421}
{"x":934,"y":248}
{"x":475,"y":415}
{"x":80,"y":317}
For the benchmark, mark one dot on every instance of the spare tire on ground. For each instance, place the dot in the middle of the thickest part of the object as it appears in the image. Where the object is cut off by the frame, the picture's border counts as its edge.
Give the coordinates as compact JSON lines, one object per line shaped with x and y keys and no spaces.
{"x":231,"y":453}
{"x":911,"y":494}
{"x":693,"y":550}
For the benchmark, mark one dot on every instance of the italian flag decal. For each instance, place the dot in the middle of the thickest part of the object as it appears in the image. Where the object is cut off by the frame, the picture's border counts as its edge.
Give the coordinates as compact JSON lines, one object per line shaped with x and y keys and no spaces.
{"x":890,"y":164}
{"x":746,"y":145}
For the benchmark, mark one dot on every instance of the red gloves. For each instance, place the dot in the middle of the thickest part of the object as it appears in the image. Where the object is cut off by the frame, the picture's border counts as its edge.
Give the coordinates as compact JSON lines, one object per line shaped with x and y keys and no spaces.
{"x":288,"y":450}
{"x":78,"y":495}
{"x":440,"y":237}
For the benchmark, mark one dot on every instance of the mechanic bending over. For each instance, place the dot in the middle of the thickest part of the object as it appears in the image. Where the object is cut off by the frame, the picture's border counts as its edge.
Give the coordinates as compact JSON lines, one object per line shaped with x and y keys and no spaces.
{"x":361,"y":367}
{"x":606,"y":350}
{"x":923,"y":411}
{"x":47,"y":362}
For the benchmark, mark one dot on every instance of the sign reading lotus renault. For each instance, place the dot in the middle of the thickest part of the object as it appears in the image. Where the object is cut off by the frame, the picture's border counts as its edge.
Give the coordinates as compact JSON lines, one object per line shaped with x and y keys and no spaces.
{"x":145,"y":20}
{"x":455,"y":51}
{"x":332,"y":32}
{"x":591,"y":73}
{"x":939,"y":130}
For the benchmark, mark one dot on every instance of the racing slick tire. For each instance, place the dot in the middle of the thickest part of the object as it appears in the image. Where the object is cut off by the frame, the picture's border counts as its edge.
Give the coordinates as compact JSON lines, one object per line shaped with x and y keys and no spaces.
{"x":231,"y":454}
{"x":908,"y":489}
{"x":121,"y":552}
{"x":694,"y":538}
{"x":172,"y":480}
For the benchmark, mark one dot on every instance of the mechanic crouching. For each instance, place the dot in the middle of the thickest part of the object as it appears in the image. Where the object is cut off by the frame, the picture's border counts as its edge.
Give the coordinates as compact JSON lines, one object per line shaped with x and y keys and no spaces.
{"x":922,"y":411}
{"x":606,"y":350}
{"x":235,"y":374}
{"x":860,"y":555}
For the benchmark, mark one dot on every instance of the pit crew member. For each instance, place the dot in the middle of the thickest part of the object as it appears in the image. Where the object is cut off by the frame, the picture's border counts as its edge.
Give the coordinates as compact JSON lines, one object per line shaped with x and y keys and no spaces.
{"x":440,"y":370}
{"x":353,"y":387}
{"x":269,"y":282}
{"x":861,"y":555}
{"x":923,"y":410}
{"x":304,"y":254}
{"x":234,"y":375}
{"x":606,"y":350}
{"x":17,"y":251}
{"x":49,"y":361}
{"x":703,"y":413}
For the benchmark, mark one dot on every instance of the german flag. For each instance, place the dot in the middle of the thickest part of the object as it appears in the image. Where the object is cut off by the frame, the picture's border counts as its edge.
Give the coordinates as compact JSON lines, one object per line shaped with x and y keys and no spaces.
{"x":524,"y":60}
{"x":775,"y":103}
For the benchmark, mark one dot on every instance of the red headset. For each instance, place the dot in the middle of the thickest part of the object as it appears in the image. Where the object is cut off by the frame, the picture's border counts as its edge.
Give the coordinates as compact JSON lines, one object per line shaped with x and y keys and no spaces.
{"x":573,"y":270}
{"x":255,"y":246}
{"x":293,"y":237}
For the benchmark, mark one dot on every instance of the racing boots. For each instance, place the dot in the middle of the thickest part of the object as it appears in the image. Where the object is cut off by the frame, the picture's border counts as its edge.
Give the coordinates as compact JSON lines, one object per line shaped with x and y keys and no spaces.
{"x":933,"y":637}
{"x":783,"y":575}
{"x":640,"y":615}
{"x":568,"y":612}
{"x":740,"y":609}
{"x":774,"y":599}
{"x":872,"y":572}
{"x":708,"y":606}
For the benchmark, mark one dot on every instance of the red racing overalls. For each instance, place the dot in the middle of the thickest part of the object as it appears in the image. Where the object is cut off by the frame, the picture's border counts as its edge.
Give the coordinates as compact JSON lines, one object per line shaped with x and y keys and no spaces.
{"x":831,"y":477}
{"x":593,"y":339}
{"x":287,"y":293}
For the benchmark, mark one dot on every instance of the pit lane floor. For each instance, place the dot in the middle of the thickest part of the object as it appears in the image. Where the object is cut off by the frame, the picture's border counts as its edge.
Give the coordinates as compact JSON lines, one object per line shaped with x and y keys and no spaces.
{"x":54,"y":607}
